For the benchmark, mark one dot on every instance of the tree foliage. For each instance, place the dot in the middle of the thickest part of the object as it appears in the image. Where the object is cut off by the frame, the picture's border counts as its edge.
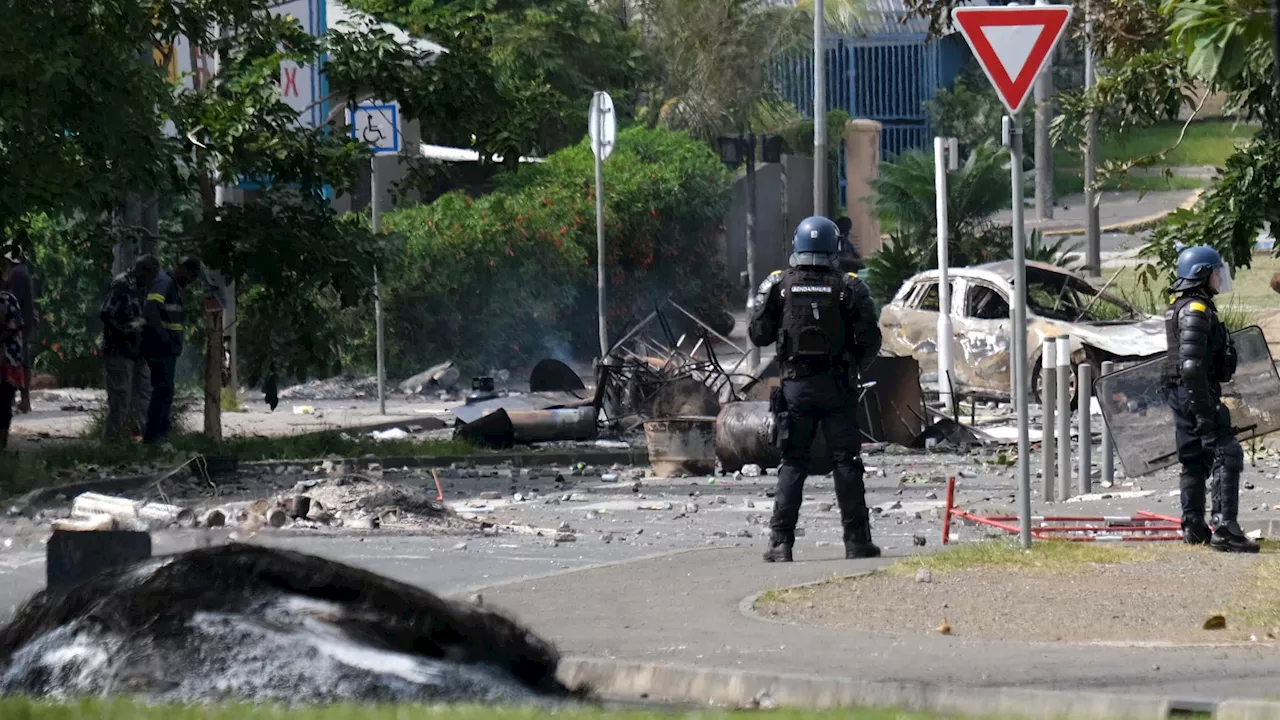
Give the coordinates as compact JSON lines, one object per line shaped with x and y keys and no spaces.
{"x":509,"y":277}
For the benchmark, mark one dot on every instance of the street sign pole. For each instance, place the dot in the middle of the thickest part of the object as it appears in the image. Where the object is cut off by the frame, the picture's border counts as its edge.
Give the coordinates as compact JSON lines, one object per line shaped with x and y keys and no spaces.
{"x":946,"y":362}
{"x":376,"y":224}
{"x":1020,"y":332}
{"x":819,"y":111}
{"x":1013,"y":43}
{"x":602,"y":125}
{"x":600,"y":276}
{"x":378,"y":126}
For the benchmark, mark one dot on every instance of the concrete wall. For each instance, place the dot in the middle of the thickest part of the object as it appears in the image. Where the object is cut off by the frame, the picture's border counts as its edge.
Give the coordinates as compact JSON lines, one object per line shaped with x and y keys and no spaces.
{"x":775,"y":220}
{"x":862,"y":165}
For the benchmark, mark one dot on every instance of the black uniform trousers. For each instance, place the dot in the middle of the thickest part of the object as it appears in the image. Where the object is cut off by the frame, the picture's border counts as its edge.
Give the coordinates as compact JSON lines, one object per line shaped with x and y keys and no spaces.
{"x":824,"y":401}
{"x":1215,"y":454}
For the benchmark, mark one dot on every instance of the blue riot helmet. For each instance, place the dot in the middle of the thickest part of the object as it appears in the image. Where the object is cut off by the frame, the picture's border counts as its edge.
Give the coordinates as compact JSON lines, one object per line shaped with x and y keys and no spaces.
{"x":1202,"y":266}
{"x":816,"y":242}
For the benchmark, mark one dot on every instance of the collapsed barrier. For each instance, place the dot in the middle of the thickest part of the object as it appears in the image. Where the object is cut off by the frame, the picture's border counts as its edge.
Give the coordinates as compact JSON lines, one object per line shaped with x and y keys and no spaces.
{"x":1142,"y":526}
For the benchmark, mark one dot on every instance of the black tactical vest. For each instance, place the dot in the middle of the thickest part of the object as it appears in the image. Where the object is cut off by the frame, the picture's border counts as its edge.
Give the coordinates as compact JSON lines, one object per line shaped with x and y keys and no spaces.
{"x":812,"y":332}
{"x":1221,"y":360}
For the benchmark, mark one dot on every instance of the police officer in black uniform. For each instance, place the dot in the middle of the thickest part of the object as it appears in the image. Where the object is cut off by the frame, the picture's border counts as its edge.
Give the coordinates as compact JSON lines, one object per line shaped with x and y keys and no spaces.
{"x":1200,"y":357}
{"x":824,"y":322}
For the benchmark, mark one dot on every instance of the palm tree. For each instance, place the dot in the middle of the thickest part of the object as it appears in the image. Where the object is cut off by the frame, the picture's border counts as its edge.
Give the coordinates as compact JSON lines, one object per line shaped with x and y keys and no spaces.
{"x":712,"y":59}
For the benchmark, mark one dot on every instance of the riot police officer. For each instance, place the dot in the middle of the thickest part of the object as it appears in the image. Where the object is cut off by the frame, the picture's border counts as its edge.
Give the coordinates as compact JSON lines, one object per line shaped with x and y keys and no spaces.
{"x":824,"y":323}
{"x":1200,"y":357}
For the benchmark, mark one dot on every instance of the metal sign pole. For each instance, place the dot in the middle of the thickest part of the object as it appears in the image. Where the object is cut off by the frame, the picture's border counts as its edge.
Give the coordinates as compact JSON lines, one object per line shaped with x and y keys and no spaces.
{"x":946,"y":362}
{"x":1013,"y":127}
{"x":377,"y":288}
{"x":600,"y":276}
{"x":819,"y":111}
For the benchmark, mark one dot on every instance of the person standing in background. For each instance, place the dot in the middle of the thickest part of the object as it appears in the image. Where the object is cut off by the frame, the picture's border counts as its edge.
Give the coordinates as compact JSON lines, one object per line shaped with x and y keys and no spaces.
{"x":12,"y":353}
{"x":20,"y":285}
{"x":128,"y":377}
{"x":162,"y":338}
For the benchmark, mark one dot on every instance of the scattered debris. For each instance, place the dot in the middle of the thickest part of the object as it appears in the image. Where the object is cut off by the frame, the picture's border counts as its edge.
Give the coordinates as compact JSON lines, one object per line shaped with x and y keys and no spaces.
{"x":924,"y":576}
{"x":129,"y":513}
{"x":341,"y":387}
{"x":436,"y":378}
{"x":681,"y":445}
{"x":1215,"y":622}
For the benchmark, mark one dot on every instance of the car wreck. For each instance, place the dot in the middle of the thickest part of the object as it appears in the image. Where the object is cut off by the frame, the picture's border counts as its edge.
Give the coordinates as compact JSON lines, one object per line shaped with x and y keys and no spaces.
{"x":1059,"y":303}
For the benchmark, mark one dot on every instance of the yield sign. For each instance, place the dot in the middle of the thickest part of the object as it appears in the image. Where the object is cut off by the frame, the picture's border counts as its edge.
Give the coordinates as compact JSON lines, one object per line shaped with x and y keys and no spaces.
{"x":1012,"y":44}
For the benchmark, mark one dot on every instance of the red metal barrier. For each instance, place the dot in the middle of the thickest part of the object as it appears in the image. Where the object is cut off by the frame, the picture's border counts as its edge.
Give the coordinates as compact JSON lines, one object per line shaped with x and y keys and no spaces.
{"x":1142,"y":526}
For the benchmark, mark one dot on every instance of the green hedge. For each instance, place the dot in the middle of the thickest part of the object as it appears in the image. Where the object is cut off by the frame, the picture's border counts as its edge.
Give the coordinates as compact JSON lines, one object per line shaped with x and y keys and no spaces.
{"x":508,"y":278}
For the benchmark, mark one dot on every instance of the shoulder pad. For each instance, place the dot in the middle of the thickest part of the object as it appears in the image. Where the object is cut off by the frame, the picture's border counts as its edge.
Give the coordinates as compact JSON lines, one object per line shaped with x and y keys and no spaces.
{"x":854,"y":276}
{"x":774,"y":278}
{"x":1197,"y":306}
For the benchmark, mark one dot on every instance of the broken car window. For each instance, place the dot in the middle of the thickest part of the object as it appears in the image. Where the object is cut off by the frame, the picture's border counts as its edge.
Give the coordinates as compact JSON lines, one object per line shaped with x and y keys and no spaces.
{"x":929,"y":298}
{"x":985,"y":303}
{"x":1064,"y":297}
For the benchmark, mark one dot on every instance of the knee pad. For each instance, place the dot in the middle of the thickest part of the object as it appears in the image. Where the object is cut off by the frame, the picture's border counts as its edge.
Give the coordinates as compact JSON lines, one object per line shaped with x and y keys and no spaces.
{"x":1192,"y":480}
{"x":1232,"y":457}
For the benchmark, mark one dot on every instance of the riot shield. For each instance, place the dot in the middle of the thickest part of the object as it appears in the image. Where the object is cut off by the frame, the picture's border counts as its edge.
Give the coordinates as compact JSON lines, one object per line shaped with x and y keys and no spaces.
{"x":1137,"y":412}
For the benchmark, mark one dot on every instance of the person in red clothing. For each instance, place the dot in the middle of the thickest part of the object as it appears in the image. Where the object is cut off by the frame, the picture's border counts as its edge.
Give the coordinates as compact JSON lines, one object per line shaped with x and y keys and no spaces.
{"x":13,"y":373}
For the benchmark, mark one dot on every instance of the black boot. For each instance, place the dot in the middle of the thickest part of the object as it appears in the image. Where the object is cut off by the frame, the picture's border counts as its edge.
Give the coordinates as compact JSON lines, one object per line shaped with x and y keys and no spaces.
{"x":1229,"y":537}
{"x":1195,"y":531}
{"x":779,"y":548}
{"x":857,"y":539}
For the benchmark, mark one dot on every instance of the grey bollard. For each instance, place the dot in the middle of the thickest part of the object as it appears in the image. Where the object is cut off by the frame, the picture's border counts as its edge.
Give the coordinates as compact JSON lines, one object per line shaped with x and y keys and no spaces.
{"x":1049,"y":399}
{"x":1084,"y":390}
{"x":1108,"y":452}
{"x":1064,"y":417}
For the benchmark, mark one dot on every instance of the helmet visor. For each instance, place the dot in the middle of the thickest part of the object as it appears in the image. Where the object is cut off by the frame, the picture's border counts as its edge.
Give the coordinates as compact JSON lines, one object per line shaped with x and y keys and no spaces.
{"x":1220,"y":280}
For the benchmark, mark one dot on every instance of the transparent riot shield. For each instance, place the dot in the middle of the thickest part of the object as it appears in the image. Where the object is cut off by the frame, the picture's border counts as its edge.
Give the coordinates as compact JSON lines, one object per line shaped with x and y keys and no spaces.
{"x":1137,"y":412}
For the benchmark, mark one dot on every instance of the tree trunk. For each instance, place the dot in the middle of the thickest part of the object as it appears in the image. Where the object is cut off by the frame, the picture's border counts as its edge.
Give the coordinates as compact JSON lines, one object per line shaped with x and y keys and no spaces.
{"x":213,"y":377}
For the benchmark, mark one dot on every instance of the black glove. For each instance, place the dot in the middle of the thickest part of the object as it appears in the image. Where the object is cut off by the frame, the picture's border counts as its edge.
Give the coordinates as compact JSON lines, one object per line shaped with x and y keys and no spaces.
{"x":1207,"y":430}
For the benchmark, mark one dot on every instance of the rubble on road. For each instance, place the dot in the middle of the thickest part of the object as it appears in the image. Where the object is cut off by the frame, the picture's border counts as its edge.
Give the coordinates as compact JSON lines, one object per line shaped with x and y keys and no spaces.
{"x":339,"y":501}
{"x":341,"y":387}
{"x":252,"y":624}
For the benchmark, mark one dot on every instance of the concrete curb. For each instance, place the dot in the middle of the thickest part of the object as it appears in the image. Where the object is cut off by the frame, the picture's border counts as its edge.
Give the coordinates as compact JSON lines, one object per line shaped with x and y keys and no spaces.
{"x":1132,"y":225}
{"x":1247,"y":710}
{"x":590,"y":456}
{"x":735,"y":688}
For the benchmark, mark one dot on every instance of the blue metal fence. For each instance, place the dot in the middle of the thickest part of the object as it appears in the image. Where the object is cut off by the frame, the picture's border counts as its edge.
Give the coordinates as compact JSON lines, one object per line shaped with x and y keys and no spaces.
{"x":887,"y":77}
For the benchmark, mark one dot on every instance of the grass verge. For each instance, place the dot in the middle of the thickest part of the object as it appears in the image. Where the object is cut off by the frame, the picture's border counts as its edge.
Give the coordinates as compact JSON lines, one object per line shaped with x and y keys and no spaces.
{"x":1252,"y":289}
{"x":1069,"y":180}
{"x":1207,"y":144}
{"x":58,"y":462}
{"x":1044,"y":556}
{"x":127,"y":710}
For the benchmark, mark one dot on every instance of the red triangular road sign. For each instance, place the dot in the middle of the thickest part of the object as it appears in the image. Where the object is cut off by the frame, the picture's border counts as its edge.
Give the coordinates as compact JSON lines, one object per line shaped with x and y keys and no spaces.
{"x":1012,"y":44}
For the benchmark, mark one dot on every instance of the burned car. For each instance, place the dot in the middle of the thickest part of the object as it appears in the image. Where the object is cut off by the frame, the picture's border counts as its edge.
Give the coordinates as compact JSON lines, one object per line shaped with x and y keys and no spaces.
{"x":1059,"y":302}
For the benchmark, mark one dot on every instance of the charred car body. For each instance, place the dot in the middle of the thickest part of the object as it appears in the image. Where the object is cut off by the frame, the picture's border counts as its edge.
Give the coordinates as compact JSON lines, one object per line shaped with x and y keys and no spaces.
{"x":1100,"y":326}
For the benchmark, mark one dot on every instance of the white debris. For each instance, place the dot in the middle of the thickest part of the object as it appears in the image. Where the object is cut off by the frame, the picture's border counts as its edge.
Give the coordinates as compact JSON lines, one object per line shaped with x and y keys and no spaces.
{"x":391,"y":434}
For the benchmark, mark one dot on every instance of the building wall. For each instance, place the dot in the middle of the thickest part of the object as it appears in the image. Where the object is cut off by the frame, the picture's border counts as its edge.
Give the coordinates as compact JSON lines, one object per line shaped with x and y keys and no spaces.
{"x":775,"y":220}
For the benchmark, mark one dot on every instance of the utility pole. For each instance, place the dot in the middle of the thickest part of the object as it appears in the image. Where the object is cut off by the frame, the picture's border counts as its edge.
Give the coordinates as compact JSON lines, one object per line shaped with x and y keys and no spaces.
{"x":1093,"y":224}
{"x":375,"y":223}
{"x":819,"y":110}
{"x":753,"y":355}
{"x":1044,"y":148}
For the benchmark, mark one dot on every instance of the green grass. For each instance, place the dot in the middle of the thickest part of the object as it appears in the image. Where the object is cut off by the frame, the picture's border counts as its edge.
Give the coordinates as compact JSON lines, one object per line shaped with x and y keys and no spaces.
{"x":1252,"y":291}
{"x":63,"y":462}
{"x":1207,"y":144}
{"x":128,"y":710}
{"x":1070,"y":181}
{"x":1044,"y":556}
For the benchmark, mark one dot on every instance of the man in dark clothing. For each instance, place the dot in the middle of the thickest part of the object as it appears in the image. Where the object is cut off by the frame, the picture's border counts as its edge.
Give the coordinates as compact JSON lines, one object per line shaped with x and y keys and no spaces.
{"x":128,"y":377}
{"x":850,"y":259}
{"x":20,"y":285}
{"x":824,"y":323}
{"x":162,"y":339}
{"x":1200,"y":357}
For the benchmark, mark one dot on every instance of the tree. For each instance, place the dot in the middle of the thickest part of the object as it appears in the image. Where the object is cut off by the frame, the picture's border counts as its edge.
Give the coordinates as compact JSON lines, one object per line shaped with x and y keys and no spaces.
{"x":538,"y":64}
{"x":88,"y":121}
{"x":712,"y":59}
